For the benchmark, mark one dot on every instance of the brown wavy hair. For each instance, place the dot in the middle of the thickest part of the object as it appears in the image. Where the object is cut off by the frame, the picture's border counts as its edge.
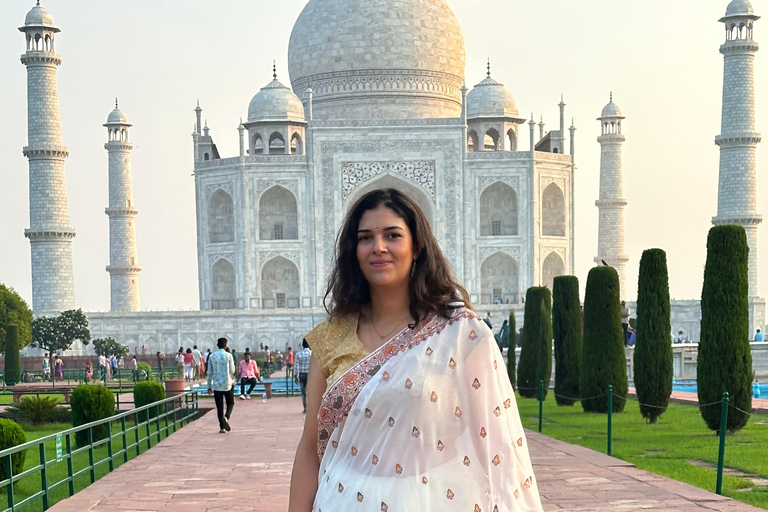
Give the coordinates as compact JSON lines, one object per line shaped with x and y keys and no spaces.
{"x":432,"y":285}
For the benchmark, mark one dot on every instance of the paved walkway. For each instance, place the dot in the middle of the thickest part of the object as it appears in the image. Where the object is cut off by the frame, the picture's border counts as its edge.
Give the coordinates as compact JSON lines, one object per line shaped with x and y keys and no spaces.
{"x":197,"y":469}
{"x":759,"y":405}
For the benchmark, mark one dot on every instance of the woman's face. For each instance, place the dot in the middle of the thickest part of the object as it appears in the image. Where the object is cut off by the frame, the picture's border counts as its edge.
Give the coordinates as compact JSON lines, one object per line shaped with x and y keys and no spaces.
{"x":384,"y":248}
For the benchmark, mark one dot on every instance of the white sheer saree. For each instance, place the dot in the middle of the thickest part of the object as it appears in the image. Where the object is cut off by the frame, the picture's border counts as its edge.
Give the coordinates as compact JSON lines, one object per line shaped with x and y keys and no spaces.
{"x":427,"y":422}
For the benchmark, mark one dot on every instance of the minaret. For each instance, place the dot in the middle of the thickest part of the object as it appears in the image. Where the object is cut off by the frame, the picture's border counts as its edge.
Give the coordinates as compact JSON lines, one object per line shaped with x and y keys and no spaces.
{"x":123,"y":264}
{"x":737,"y":190}
{"x":610,"y":237}
{"x":49,"y":233}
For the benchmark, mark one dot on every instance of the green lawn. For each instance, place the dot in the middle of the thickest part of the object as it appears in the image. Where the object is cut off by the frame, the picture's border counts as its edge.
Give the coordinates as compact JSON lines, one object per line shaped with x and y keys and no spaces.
{"x":7,"y":399}
{"x":679,"y":446}
{"x":57,"y":471}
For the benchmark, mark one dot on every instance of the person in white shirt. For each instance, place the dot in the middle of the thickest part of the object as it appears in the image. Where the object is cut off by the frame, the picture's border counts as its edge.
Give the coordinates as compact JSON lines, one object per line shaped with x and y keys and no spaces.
{"x":196,"y":355}
{"x":221,"y":378}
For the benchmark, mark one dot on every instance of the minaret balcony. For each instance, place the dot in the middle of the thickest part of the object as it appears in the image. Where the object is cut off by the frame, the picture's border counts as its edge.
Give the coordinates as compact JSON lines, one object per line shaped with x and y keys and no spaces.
{"x":740,"y":220}
{"x":738,"y":139}
{"x":47,"y":152}
{"x":611,"y":203}
{"x":608,"y":138}
{"x":49,"y":234}
{"x":737,"y":46}
{"x":128,"y":269}
{"x":122,"y":211}
{"x":117,"y":145}
{"x":37,"y":57}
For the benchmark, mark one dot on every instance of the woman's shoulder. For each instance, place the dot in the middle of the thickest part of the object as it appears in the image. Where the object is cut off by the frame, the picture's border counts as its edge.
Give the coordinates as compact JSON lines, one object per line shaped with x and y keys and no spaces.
{"x":329,"y":327}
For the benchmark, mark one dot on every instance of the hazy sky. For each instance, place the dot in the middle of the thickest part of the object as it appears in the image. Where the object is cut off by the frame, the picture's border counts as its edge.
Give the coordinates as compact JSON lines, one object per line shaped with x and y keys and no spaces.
{"x":659,"y":57}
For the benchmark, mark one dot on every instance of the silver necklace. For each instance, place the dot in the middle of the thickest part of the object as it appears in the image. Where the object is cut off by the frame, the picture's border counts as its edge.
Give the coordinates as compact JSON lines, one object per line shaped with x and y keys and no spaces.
{"x":390,"y":332}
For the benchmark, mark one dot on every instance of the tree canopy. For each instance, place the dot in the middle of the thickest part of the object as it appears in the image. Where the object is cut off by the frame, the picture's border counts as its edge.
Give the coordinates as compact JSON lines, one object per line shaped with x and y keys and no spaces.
{"x":110,"y":346}
{"x":57,"y":333}
{"x":14,"y":311}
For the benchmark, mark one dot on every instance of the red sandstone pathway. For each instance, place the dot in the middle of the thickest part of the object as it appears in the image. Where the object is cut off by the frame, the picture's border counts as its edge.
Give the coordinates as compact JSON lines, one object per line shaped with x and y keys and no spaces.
{"x":199,"y":470}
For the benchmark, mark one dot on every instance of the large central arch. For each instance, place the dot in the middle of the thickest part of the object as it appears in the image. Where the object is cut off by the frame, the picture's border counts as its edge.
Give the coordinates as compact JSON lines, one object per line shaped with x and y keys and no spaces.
{"x":499,"y":280}
{"x":418,"y":194}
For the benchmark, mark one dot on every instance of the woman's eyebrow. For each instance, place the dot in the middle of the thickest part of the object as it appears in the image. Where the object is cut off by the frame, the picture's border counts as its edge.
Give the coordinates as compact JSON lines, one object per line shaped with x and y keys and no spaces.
{"x":385,"y":229}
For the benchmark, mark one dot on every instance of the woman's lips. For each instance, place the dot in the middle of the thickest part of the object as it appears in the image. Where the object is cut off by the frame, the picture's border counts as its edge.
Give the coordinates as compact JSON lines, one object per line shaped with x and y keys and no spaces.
{"x":380,"y":264}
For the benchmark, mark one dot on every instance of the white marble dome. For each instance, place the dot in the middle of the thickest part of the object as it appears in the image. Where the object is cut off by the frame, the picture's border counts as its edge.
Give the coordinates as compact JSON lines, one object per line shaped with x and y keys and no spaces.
{"x":611,"y":110}
{"x":275,"y":102}
{"x":38,"y":16}
{"x":739,"y":7}
{"x":490,"y":98}
{"x":117,"y":116}
{"x":378,"y":58}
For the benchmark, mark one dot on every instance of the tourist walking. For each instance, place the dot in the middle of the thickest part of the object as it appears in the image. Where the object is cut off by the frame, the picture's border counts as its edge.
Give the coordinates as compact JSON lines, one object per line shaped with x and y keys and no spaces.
{"x":249,"y":373}
{"x":58,"y":369}
{"x":196,"y":359}
{"x":625,"y":313}
{"x":289,"y":360}
{"x":161,"y":364}
{"x":221,"y":370}
{"x":47,"y":367}
{"x":180,"y":363}
{"x":113,"y":365}
{"x":189,"y":363}
{"x":406,"y":383}
{"x":503,"y":337}
{"x":103,"y":367}
{"x":301,"y":369}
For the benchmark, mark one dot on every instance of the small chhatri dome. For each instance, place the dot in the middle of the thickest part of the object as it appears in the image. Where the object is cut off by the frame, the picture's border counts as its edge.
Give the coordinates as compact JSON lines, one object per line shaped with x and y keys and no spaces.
{"x":117,"y":116}
{"x":276,"y":102}
{"x":490,"y":98}
{"x":739,"y":8}
{"x":611,"y":109}
{"x":39,"y":17}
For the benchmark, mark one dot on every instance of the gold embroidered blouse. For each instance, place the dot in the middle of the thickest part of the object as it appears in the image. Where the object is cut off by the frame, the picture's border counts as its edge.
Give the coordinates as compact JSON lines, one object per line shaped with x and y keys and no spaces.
{"x":336,"y":347}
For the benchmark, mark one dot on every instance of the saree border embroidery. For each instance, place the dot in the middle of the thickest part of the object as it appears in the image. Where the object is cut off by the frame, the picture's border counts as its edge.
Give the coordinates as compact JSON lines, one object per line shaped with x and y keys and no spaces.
{"x":341,"y":396}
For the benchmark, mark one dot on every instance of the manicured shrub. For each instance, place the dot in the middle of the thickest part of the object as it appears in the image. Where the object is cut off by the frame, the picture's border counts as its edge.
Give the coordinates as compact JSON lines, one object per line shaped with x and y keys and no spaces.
{"x":511,"y":349}
{"x":653,"y":351}
{"x":725,"y":358}
{"x":566,"y":329}
{"x":89,"y":403}
{"x":11,"y":434}
{"x":37,"y":409}
{"x":602,"y":354}
{"x":536,"y":354}
{"x":146,"y":393}
{"x":12,"y":364}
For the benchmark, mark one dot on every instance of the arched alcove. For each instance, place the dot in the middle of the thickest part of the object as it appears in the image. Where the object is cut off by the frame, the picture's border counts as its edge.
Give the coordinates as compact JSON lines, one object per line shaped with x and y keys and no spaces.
{"x":472,"y":142}
{"x":418,"y":194}
{"x":553,"y":211}
{"x":276,"y":144}
{"x":280,"y":285}
{"x":499,"y":280}
{"x":223,"y":286}
{"x":258,"y":145}
{"x":491,"y":140}
{"x":498,"y":211}
{"x":221,"y":218}
{"x":297,"y":146}
{"x":278,"y":215}
{"x":553,"y":266}
{"x":512,"y":136}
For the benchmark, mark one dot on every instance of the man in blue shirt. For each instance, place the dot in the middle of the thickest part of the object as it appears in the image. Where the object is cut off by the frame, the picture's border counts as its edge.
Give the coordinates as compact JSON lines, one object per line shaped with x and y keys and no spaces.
{"x":301,"y":370}
{"x":759,"y":336}
{"x":221,"y":379}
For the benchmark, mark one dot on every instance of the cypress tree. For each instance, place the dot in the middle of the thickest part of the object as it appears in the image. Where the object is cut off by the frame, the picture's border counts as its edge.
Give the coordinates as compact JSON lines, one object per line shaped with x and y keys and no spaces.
{"x":536,"y":353}
{"x":653,"y":351}
{"x":511,"y":349}
{"x":725,"y":358}
{"x":12,"y":362}
{"x":602,"y":355}
{"x":566,"y":328}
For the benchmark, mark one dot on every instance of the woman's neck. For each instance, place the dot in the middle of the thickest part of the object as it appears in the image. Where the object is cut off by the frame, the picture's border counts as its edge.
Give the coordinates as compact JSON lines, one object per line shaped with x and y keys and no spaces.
{"x":389,"y":303}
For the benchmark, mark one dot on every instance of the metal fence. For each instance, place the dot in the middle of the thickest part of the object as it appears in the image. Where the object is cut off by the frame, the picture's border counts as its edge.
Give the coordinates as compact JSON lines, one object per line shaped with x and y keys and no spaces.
{"x":125,"y":438}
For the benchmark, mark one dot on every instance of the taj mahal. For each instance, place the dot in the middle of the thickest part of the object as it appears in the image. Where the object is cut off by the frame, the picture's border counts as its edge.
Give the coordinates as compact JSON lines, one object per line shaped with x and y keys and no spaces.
{"x":369,"y":100}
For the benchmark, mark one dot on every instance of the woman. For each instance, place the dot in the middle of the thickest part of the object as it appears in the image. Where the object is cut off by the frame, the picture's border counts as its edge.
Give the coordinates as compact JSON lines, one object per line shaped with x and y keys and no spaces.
{"x":503,"y":335}
{"x":408,"y":403}
{"x":189,"y":361}
{"x":180,"y":363}
{"x":58,"y":369}
{"x":88,"y":371}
